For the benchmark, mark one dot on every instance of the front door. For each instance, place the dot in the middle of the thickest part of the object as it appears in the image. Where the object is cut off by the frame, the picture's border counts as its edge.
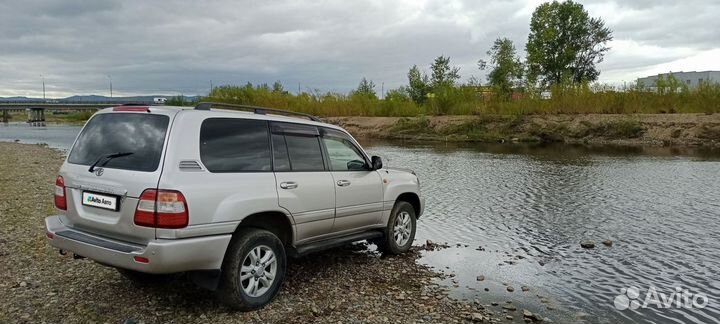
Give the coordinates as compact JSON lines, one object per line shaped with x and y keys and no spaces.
{"x":358,"y":188}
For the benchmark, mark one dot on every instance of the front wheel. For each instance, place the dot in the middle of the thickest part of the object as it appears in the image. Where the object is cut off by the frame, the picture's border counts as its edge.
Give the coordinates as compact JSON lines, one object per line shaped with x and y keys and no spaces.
{"x":253,"y":269}
{"x":400,"y":231}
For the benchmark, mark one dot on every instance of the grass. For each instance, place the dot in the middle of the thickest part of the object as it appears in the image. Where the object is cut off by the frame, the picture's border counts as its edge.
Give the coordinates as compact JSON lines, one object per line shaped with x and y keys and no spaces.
{"x":468,"y":100}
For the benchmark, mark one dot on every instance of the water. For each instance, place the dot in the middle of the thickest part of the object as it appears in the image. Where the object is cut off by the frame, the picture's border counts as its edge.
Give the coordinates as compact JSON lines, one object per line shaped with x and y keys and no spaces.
{"x":54,"y":135}
{"x":534,"y":205}
{"x":529,"y":207}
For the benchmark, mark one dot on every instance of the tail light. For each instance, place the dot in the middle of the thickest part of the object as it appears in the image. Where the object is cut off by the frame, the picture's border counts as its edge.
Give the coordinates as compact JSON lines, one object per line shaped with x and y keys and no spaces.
{"x":60,"y":198}
{"x":162,"y":209}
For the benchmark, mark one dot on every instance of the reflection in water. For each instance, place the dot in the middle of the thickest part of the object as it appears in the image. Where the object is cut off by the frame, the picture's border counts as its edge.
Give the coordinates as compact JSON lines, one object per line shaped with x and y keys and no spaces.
{"x":524,"y":209}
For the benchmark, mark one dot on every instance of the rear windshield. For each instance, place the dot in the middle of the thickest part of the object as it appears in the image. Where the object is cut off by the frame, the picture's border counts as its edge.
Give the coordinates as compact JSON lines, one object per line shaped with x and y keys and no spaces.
{"x":142,"y":135}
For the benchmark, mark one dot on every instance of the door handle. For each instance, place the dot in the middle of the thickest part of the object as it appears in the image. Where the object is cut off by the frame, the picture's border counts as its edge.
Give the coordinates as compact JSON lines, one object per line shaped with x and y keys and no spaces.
{"x":343,"y":183}
{"x":288,"y":185}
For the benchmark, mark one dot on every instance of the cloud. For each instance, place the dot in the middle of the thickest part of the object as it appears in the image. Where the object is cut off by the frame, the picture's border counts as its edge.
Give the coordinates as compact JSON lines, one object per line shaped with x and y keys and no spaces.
{"x":178,"y":46}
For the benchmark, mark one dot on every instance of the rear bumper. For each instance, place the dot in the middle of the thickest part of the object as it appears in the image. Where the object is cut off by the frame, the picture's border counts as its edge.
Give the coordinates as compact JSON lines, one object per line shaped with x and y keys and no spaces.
{"x":164,"y":256}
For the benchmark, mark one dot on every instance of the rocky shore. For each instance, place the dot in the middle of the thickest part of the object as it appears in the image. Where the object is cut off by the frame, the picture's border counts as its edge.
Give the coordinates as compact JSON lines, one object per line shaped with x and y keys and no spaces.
{"x":622,"y":129}
{"x":346,"y":285}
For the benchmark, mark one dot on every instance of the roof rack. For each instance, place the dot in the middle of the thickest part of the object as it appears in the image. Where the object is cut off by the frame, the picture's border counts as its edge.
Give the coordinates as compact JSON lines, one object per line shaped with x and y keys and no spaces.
{"x":254,"y":109}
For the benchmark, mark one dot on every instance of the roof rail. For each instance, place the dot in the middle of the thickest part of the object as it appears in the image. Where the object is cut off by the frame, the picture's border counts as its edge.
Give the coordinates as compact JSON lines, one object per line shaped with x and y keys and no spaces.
{"x":254,"y":109}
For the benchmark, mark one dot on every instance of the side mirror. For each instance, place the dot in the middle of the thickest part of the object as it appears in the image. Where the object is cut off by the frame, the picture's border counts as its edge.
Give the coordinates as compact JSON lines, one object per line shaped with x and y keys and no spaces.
{"x":376,"y":163}
{"x":356,"y":165}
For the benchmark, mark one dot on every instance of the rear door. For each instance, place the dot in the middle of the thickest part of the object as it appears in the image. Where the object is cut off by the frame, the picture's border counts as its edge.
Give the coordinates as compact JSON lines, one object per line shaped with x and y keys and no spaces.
{"x":103,"y":201}
{"x":358,"y":188}
{"x":304,"y":185}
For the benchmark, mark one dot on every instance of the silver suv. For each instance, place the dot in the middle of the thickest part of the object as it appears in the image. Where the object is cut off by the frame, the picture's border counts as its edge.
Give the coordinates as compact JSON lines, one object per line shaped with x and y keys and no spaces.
{"x":223,"y":195}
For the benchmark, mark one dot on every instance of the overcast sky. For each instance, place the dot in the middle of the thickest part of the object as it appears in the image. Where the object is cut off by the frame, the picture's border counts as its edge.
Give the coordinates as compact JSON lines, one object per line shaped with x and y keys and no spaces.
{"x":172,"y":47}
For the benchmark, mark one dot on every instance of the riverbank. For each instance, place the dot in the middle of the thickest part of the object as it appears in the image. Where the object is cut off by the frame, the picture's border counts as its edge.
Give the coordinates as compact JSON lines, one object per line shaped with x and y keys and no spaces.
{"x":621,"y":129}
{"x":349,"y":284}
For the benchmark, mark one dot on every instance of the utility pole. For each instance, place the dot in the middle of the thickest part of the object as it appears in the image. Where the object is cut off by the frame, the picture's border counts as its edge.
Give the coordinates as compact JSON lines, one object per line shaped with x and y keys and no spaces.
{"x":211,"y":87}
{"x":110,"y":77}
{"x":382,"y":91}
{"x":43,"y":83}
{"x":298,"y":88}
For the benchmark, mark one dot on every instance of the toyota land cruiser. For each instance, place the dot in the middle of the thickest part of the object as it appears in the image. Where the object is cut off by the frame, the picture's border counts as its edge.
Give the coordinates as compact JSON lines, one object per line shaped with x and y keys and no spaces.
{"x":224,"y":195}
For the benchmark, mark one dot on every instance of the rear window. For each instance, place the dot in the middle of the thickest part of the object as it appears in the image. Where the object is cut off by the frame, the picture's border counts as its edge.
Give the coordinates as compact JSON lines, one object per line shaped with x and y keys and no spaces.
{"x":235,"y":145}
{"x":142,"y":135}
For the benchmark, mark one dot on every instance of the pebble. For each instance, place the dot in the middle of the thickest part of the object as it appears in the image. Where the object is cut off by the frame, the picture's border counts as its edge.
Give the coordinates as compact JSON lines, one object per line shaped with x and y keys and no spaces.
{"x":480,"y":278}
{"x":587,"y":244}
{"x":607,"y":243}
{"x":510,"y":289}
{"x":525,"y":288}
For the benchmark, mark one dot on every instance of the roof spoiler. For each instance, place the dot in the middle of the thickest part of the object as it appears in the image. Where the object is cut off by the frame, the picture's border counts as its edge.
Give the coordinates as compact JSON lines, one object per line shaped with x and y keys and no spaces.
{"x":254,"y":109}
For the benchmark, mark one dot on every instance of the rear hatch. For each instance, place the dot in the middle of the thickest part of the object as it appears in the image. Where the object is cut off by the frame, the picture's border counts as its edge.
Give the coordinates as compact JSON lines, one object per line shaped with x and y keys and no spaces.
{"x":127,"y":151}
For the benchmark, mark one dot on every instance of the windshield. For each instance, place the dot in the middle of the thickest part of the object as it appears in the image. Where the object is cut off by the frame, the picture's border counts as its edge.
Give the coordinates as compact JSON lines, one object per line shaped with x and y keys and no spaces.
{"x":141,"y":134}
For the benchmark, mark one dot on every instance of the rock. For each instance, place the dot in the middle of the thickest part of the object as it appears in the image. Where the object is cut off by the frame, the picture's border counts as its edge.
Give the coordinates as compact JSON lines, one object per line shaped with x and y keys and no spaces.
{"x":527,"y":313}
{"x":487,"y":289}
{"x":587,"y":244}
{"x":607,"y":243}
{"x":509,"y":317}
{"x":510,"y":289}
{"x":130,"y":321}
{"x":511,"y":308}
{"x":477,"y":317}
{"x":429,"y":243}
{"x":480,"y":278}
{"x":494,"y":303}
{"x":23,"y":284}
{"x":533,"y":317}
{"x":525,"y":288}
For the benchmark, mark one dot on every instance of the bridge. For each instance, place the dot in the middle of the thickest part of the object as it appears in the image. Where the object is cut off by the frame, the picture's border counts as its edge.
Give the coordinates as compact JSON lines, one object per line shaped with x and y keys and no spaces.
{"x":36,"y":110}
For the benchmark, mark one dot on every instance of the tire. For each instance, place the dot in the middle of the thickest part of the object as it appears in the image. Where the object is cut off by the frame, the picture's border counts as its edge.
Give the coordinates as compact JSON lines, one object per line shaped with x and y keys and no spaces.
{"x":237,"y":288}
{"x":390,"y":243}
{"x":142,"y":279}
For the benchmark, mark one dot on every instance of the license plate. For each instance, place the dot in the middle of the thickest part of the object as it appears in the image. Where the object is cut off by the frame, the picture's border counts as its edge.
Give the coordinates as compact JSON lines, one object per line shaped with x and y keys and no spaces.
{"x":99,"y":201}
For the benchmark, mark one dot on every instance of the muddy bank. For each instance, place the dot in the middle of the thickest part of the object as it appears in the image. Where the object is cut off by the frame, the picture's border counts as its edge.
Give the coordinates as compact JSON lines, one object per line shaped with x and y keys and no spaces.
{"x":641,"y":129}
{"x":349,"y":285}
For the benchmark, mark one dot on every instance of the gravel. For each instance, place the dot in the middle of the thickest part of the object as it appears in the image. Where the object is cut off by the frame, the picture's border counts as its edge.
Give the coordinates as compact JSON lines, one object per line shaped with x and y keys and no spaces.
{"x":347,"y":285}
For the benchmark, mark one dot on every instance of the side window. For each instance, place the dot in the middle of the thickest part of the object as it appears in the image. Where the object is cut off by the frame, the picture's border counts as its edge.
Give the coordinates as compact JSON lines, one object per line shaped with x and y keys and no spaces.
{"x":344,"y":154}
{"x":304,"y":153}
{"x":296,"y":147}
{"x":281,"y":159}
{"x":235,"y":145}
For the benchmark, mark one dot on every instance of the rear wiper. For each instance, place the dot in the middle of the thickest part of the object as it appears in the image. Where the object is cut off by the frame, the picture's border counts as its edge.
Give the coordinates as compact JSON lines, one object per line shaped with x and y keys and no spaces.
{"x":106,"y":158}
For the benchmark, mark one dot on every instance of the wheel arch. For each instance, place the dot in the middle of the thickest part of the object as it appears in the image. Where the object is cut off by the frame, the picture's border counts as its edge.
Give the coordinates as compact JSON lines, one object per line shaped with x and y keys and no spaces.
{"x":275,"y":222}
{"x":413,"y":199}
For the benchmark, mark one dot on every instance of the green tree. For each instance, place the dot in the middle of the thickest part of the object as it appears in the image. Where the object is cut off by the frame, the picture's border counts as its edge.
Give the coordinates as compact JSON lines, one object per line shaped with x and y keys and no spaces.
{"x":507,"y":69}
{"x":365,"y":89}
{"x":565,"y":44}
{"x":277,"y":87}
{"x":418,"y":85}
{"x":442,"y":75}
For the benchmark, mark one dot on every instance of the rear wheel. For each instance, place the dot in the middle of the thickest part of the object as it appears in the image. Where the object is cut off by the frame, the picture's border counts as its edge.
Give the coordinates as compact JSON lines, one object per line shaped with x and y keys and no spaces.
{"x":253,"y":270}
{"x":400,"y":231}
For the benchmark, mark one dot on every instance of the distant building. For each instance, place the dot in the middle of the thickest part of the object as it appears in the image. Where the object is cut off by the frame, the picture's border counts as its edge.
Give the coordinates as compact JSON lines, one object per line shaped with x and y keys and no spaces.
{"x":691,"y":79}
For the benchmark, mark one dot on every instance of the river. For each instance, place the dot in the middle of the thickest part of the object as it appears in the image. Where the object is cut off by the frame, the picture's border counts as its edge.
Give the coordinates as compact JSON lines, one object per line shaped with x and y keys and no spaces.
{"x":516,"y":215}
